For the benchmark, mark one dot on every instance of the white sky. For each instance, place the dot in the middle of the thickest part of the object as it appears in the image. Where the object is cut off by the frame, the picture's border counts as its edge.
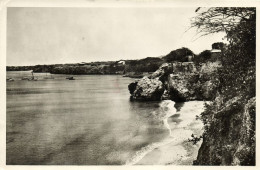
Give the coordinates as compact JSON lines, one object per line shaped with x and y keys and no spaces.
{"x":69,"y":35}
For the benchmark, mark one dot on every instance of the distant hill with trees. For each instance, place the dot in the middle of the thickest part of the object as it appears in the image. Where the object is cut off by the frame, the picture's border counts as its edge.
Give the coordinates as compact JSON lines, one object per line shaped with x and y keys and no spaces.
{"x":128,"y":67}
{"x":179,"y":55}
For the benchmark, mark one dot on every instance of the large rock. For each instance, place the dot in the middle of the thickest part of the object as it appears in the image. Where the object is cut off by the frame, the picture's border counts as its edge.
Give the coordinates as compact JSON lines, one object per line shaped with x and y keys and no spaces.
{"x":132,"y":87}
{"x":178,"y":88}
{"x":184,"y":67}
{"x":164,"y":70}
{"x":146,"y":89}
{"x":178,"y":82}
{"x":187,"y":83}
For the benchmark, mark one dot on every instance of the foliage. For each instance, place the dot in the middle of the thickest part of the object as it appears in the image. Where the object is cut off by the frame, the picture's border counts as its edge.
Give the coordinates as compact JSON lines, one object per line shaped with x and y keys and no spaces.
{"x":238,"y":73}
{"x":218,"y":45}
{"x":180,"y":55}
{"x":149,"y":64}
{"x":194,"y":139}
{"x":203,"y":57}
{"x":236,"y":84}
{"x":237,"y":76}
{"x":219,"y":19}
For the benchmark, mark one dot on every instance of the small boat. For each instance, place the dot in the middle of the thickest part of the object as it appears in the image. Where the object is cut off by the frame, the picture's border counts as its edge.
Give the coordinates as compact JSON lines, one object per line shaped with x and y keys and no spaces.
{"x":30,"y":78}
{"x":34,"y":79}
{"x":9,"y":79}
{"x":25,"y":78}
{"x":70,"y":78}
{"x":46,"y":77}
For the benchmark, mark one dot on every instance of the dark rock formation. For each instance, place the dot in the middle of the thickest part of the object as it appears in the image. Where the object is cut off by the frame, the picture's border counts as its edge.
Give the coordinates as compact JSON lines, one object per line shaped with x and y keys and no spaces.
{"x":164,"y":70}
{"x":179,"y":82}
{"x":132,"y":87}
{"x":229,"y":137}
{"x":146,"y":89}
{"x":179,"y":89}
{"x":230,"y":140}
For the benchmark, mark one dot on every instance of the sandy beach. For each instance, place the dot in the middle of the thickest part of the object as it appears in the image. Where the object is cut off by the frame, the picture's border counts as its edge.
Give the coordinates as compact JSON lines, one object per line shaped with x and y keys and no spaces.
{"x":176,"y":149}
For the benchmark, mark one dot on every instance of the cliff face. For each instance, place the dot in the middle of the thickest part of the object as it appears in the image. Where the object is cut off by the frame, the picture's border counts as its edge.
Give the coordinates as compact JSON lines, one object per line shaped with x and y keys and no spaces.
{"x":179,"y":81}
{"x":230,"y":138}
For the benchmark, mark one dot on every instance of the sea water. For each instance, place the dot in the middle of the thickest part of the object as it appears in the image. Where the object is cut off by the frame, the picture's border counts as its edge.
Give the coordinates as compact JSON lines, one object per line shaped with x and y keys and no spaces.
{"x":86,"y":121}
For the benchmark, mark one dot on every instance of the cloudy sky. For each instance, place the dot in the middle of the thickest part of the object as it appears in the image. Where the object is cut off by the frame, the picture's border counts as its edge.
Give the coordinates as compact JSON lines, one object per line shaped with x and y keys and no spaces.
{"x":69,"y":35}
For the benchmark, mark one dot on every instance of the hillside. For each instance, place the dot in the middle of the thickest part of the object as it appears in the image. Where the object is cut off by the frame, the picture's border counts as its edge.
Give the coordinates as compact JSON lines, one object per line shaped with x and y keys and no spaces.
{"x":130,"y":68}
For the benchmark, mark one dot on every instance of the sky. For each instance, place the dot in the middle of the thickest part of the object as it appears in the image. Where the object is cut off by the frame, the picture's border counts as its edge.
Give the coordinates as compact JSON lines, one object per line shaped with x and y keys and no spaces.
{"x":49,"y":35}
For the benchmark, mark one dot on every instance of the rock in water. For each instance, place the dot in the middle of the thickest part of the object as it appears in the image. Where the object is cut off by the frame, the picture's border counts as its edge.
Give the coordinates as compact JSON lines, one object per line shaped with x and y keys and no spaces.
{"x":132,"y":87}
{"x":146,"y":89}
{"x":178,"y":82}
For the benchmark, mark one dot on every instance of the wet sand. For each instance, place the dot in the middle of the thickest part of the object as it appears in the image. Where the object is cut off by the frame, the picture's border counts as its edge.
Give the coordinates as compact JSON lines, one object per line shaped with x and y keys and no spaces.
{"x":176,"y":149}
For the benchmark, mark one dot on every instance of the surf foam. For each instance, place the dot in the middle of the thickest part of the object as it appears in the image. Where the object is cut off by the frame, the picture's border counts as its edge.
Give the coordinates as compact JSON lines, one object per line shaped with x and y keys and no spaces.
{"x":166,"y":110}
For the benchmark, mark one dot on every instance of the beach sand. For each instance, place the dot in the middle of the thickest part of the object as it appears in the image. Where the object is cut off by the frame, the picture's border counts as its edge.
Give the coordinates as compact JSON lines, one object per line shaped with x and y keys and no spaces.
{"x":176,"y":149}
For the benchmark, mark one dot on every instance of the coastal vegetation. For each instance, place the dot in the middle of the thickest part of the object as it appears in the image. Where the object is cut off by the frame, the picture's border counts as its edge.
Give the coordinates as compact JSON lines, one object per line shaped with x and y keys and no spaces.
{"x":226,"y":79}
{"x":128,"y":67}
{"x":229,"y":137}
{"x":179,"y":55}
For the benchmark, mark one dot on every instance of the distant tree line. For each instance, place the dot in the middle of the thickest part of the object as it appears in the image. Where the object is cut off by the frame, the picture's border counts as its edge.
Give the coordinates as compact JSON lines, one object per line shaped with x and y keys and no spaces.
{"x":179,"y":55}
{"x":149,"y":64}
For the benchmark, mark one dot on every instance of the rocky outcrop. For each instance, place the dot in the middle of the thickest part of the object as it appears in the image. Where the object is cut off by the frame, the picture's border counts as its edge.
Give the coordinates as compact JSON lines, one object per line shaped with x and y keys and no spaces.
{"x":179,"y":82}
{"x":164,"y":70}
{"x":229,"y":119}
{"x":180,"y":89}
{"x":230,"y":138}
{"x":146,"y":89}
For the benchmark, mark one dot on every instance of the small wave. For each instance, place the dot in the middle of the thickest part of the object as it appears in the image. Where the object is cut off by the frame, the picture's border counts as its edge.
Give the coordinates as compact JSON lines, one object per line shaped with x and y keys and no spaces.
{"x":166,"y":110}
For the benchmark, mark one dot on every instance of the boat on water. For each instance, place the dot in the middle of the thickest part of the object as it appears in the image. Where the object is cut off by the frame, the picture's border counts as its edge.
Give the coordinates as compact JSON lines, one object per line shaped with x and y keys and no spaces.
{"x":9,"y":79}
{"x":25,"y":78}
{"x":70,"y":78}
{"x":48,"y":77}
{"x":32,"y":78}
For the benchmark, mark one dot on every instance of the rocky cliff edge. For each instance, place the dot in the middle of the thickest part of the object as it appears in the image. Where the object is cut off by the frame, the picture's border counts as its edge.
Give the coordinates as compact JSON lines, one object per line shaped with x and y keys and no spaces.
{"x":178,"y":81}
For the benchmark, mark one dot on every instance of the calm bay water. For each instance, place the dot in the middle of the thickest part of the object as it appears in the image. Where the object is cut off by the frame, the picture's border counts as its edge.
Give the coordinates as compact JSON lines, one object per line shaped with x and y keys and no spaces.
{"x":87,"y":121}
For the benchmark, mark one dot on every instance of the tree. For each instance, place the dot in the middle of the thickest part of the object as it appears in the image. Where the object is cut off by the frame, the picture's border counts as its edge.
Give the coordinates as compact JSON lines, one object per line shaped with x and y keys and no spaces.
{"x":236,"y":84}
{"x":213,"y":20}
{"x":239,"y":24}
{"x":180,"y":55}
{"x":218,"y":45}
{"x":203,"y":57}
